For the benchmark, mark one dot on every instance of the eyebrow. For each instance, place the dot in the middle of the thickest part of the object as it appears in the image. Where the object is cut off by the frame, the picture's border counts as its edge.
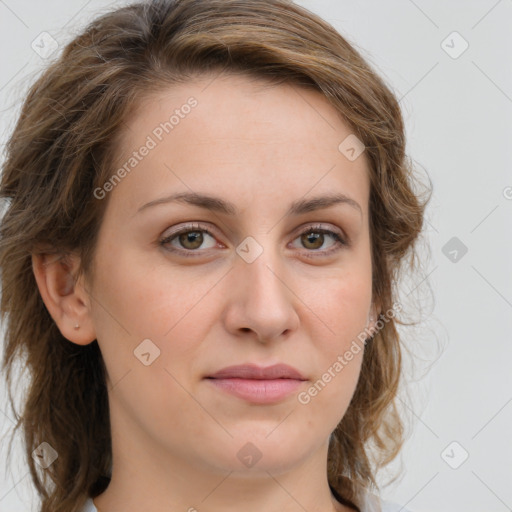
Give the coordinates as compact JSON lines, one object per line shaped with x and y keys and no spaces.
{"x":219,"y":205}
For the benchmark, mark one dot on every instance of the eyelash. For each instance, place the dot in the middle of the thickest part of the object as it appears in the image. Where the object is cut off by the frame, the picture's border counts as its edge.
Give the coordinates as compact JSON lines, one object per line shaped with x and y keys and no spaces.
{"x":340,"y":241}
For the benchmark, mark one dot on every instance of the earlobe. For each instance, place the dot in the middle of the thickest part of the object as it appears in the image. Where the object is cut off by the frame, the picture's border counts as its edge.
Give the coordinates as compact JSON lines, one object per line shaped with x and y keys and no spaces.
{"x":67,"y":301}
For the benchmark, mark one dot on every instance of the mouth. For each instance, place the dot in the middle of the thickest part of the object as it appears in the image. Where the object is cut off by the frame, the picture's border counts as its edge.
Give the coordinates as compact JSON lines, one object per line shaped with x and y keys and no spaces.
{"x":258,"y":385}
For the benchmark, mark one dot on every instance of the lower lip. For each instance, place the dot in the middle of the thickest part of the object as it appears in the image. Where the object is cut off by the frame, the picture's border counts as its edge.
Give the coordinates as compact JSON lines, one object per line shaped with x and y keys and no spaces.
{"x":258,"y":391}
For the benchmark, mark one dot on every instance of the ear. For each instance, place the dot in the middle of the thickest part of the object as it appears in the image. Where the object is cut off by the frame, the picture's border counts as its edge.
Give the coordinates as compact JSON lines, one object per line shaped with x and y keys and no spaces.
{"x":67,"y":301}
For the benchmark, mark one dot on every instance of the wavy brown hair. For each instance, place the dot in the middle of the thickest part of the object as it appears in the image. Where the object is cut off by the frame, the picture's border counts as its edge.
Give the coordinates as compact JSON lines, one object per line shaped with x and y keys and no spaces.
{"x":61,"y":150}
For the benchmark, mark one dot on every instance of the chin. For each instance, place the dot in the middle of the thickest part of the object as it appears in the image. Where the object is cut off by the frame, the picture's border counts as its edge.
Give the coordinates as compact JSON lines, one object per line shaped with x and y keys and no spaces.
{"x":254,"y":454}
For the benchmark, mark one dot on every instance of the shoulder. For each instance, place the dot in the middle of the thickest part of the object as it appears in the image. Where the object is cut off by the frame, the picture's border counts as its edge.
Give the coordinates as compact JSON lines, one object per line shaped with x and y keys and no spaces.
{"x":89,"y":506}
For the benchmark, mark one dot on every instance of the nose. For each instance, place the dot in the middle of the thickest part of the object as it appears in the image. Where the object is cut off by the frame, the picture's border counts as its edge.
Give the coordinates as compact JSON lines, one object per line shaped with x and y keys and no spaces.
{"x":262,"y":303}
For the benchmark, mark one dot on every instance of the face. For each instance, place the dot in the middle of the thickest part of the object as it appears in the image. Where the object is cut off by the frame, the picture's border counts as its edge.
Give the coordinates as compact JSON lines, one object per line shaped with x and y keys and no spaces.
{"x":260,"y":275}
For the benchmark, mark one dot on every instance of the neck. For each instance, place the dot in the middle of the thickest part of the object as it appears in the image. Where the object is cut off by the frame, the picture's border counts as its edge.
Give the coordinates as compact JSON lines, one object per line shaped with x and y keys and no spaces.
{"x":144,"y":477}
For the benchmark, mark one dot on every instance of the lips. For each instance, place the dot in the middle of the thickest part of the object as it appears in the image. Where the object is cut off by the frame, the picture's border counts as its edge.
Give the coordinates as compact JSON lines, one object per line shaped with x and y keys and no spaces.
{"x":249,"y":371}
{"x":263,"y":386}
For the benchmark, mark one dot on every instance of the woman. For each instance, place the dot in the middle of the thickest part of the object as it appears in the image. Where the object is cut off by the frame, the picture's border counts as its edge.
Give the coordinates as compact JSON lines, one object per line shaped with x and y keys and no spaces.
{"x":209,"y":205}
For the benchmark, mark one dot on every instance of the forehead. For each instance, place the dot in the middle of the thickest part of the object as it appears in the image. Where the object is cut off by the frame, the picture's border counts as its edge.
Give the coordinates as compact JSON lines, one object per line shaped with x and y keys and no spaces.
{"x":238,"y":132}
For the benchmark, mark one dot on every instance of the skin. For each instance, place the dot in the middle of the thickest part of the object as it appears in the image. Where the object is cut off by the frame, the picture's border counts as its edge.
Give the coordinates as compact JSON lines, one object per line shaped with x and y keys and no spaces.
{"x":175,"y":436}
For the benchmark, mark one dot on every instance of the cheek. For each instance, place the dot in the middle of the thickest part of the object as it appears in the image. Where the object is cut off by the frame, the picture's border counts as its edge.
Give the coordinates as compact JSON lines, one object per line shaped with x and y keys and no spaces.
{"x":327,"y":398}
{"x":339,"y":350}
{"x":173,"y":309}
{"x":144,"y":299}
{"x":341,"y":304}
{"x":338,"y":317}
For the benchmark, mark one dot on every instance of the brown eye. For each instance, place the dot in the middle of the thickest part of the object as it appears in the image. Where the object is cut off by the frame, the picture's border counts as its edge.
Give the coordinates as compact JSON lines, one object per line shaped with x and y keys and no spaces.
{"x":312,"y":240}
{"x":191,"y":239}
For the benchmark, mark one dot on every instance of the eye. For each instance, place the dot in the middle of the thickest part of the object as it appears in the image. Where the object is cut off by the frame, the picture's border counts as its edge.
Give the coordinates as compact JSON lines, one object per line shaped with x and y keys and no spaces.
{"x":189,"y":239}
{"x":314,"y":238}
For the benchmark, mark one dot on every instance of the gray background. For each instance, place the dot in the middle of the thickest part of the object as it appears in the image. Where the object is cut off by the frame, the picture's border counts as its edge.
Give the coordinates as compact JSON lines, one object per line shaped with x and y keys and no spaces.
{"x":458,"y":115}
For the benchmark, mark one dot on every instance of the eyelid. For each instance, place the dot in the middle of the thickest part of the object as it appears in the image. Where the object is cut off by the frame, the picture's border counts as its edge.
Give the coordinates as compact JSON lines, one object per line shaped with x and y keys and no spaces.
{"x":198,"y":226}
{"x":320,"y":227}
